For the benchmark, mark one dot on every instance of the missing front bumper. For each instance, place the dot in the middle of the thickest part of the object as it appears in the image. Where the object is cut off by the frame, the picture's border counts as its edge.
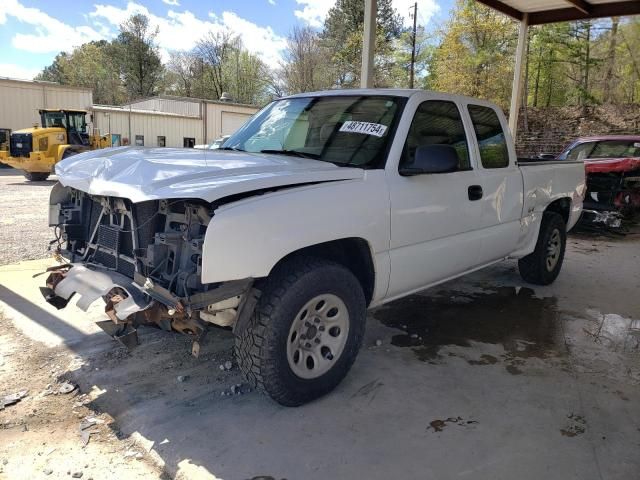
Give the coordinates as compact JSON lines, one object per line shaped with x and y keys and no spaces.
{"x":92,"y":284}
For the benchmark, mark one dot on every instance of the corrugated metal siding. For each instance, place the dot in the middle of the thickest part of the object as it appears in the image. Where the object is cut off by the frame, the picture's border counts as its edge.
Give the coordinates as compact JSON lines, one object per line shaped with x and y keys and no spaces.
{"x":21,"y":100}
{"x":68,"y":98}
{"x":215,"y":123}
{"x":179,"y":107}
{"x":232,"y":121}
{"x":151,"y":125}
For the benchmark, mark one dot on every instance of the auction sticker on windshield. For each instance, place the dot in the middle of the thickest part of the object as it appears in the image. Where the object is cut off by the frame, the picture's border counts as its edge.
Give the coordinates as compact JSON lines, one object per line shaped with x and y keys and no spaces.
{"x":366,"y":128}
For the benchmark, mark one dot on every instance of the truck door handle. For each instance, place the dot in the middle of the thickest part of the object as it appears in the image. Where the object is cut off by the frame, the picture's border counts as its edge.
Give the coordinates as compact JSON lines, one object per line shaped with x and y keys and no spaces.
{"x":475,"y":192}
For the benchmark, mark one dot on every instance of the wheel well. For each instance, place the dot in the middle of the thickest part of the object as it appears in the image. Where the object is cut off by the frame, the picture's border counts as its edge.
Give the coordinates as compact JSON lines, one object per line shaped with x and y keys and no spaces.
{"x":562,"y":207}
{"x":353,"y":253}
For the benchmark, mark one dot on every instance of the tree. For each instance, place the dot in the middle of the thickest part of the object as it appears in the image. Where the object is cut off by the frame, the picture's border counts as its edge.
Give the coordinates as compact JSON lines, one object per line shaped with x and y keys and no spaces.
{"x":182,"y":72}
{"x":138,"y":57}
{"x":548,"y":83}
{"x":342,"y":36}
{"x":400,"y":60}
{"x":225,"y":65}
{"x":89,"y":65}
{"x":214,"y":50}
{"x":475,"y":54}
{"x":307,"y":63}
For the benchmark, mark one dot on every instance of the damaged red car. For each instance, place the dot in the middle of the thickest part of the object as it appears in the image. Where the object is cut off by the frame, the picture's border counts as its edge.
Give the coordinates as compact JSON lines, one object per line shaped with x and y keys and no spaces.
{"x":612,"y":164}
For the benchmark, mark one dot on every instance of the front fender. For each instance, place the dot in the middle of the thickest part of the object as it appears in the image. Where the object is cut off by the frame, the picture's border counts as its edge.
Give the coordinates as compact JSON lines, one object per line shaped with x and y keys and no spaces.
{"x":247,"y":238}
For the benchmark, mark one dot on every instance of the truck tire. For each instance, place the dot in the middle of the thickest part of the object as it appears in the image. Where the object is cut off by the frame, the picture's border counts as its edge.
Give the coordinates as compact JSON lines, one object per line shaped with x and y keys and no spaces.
{"x":305,"y":332}
{"x":543,"y":265}
{"x":36,"y":176}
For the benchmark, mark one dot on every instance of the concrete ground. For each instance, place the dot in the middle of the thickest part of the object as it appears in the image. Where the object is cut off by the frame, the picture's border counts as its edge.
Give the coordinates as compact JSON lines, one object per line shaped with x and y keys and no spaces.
{"x":485,"y":377}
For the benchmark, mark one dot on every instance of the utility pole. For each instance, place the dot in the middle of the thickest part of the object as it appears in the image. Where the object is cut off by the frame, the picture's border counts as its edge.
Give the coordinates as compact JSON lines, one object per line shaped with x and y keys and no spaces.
{"x":368,"y":43}
{"x":413,"y":44}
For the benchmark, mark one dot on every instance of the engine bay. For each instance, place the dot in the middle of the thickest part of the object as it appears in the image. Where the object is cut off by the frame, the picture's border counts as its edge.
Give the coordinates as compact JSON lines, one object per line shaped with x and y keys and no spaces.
{"x":160,"y":240}
{"x":144,"y":260}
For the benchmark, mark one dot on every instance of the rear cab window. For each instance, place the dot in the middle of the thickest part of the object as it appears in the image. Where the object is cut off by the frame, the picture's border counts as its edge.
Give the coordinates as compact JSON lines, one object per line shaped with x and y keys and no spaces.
{"x":437,"y":122}
{"x":489,"y":132}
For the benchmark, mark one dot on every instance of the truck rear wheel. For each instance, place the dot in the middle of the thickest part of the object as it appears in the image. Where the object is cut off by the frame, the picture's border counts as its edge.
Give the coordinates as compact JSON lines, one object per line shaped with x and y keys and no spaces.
{"x":543,"y":265}
{"x":305,"y":332}
{"x":36,"y":176}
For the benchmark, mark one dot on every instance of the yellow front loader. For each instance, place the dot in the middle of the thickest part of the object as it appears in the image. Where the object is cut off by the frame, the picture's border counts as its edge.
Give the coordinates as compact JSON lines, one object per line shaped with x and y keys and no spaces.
{"x":61,"y":133}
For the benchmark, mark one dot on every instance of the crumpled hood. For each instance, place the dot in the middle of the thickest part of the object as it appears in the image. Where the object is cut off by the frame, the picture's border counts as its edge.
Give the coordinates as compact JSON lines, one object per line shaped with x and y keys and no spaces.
{"x":141,"y":174}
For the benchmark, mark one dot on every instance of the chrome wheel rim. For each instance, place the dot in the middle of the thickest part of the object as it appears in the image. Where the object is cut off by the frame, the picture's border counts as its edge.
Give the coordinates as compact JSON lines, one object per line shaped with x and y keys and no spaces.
{"x":317,"y":336}
{"x":554,"y":246}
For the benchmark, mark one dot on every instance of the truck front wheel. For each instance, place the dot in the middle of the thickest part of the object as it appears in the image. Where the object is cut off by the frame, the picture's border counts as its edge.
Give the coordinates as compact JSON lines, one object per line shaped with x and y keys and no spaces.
{"x":305,"y":332}
{"x":543,"y":265}
{"x":36,"y":176}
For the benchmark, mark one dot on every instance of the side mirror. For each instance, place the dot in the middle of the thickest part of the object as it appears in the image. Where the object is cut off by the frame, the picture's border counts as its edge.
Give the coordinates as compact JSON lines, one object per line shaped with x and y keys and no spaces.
{"x":432,"y":159}
{"x":546,"y":156}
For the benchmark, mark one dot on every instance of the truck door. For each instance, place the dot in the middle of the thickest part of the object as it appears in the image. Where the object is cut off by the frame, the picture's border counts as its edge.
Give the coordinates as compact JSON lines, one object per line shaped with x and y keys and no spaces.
{"x":433,"y":216}
{"x":500,"y":184}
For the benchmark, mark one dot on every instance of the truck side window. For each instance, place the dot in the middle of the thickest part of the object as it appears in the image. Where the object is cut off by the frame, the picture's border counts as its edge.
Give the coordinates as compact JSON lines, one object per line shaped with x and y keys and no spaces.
{"x":491,"y":141}
{"x":437,"y":122}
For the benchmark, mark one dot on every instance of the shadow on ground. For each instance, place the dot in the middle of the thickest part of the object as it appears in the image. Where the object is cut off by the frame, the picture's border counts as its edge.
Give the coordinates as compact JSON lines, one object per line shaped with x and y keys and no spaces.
{"x":481,"y":378}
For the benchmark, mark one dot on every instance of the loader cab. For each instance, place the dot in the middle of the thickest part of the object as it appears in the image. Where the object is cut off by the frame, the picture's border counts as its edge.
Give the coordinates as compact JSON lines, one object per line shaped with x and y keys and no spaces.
{"x":73,"y":121}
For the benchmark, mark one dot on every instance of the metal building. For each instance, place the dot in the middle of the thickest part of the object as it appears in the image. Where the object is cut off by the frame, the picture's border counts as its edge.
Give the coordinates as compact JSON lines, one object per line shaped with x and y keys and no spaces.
{"x":129,"y":126}
{"x":218,"y":117}
{"x":156,"y":121}
{"x":20,"y":101}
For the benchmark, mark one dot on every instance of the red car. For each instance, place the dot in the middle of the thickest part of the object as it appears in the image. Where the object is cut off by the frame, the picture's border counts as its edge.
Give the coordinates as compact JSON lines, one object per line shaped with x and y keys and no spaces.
{"x":612,"y":163}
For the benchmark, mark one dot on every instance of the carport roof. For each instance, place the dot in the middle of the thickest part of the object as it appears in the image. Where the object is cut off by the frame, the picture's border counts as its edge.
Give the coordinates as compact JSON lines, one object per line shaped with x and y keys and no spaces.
{"x":550,"y":11}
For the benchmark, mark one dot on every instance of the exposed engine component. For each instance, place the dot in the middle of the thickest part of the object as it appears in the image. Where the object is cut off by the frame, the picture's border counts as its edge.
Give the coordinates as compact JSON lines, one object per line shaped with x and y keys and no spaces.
{"x":160,"y":240}
{"x":150,"y":250}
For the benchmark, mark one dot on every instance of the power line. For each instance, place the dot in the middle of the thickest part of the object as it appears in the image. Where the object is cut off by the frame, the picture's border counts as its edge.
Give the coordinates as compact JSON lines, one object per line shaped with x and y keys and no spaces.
{"x":413,"y":44}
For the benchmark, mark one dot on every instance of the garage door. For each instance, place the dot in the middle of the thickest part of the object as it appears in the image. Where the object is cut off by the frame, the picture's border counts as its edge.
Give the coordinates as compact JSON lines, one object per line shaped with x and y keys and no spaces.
{"x":232,"y":121}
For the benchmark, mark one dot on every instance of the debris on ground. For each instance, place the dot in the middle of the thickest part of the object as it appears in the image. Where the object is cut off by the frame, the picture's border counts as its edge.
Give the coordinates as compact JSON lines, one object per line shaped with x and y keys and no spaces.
{"x":226,"y":366}
{"x":439,"y":425}
{"x":12,"y":399}
{"x":378,"y":343}
{"x":577,"y":425}
{"x":183,"y":378}
{"x":131,"y":453}
{"x":85,"y":429}
{"x":237,"y":389}
{"x":67,"y":387}
{"x":47,"y":433}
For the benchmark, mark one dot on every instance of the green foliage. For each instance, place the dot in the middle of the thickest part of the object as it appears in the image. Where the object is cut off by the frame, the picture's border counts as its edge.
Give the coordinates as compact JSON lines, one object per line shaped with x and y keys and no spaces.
{"x":225,"y":65}
{"x":401,"y":59}
{"x":306,"y":66}
{"x":89,"y":65}
{"x":475,"y":54}
{"x":342,"y":37}
{"x":137,"y":57}
{"x":578,"y":63}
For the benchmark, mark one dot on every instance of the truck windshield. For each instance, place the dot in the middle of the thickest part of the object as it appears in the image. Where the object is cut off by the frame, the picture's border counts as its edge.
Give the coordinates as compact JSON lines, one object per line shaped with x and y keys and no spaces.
{"x":345,"y":130}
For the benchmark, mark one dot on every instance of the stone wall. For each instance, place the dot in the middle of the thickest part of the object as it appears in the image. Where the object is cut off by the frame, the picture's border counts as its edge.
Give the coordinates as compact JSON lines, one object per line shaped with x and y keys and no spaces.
{"x":550,"y":129}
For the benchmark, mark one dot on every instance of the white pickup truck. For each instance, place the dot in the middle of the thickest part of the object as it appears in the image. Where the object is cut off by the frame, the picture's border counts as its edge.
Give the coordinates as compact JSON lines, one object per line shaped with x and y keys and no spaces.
{"x":322,"y":205}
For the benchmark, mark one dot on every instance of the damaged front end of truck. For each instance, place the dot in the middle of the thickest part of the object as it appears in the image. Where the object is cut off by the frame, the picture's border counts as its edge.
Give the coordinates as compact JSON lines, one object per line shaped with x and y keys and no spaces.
{"x":144,"y":260}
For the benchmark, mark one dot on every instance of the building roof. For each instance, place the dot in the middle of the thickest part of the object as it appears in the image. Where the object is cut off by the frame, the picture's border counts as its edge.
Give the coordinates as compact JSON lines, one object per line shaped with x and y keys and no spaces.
{"x":44,"y":83}
{"x":189,"y":99}
{"x":550,"y":11}
{"x":126,"y":109}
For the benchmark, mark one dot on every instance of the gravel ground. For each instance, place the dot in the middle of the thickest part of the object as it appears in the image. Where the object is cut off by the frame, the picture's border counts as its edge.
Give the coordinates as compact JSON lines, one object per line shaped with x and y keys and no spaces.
{"x":23,"y":217}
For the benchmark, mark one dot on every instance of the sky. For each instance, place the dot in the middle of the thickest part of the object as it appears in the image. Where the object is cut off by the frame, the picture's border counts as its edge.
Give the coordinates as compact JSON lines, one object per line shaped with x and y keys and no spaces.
{"x":32,"y":32}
